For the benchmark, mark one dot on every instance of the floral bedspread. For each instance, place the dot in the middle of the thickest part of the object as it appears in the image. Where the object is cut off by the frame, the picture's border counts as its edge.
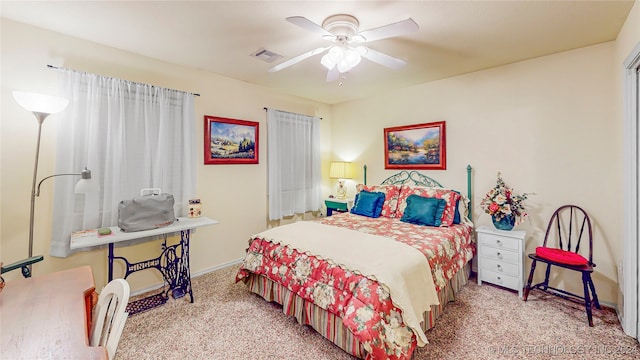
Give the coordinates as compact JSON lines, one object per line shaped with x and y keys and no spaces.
{"x":446,"y":248}
{"x":363,"y":304}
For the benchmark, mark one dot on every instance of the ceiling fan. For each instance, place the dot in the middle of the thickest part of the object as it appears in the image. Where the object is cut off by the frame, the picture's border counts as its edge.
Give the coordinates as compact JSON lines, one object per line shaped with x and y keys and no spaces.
{"x":346,"y":49}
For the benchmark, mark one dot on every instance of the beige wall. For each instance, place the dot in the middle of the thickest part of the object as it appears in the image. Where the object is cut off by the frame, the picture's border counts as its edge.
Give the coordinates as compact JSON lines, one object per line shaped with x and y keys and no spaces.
{"x":235,"y":195}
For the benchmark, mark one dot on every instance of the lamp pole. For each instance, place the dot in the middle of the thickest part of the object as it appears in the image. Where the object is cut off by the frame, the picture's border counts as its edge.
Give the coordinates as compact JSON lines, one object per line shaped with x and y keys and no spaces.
{"x":40,"y":116}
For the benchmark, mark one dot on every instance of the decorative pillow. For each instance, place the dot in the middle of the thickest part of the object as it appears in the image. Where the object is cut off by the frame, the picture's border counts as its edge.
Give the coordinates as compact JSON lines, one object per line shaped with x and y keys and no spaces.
{"x":423,"y":211}
{"x":456,"y":214}
{"x":462,"y":207}
{"x":561,"y":256}
{"x":391,"y":193}
{"x":368,"y":204}
{"x":450,"y":196}
{"x":355,"y":201}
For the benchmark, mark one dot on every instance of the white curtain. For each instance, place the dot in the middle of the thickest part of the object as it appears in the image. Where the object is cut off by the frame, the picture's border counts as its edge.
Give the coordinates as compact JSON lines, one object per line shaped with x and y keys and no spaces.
{"x":131,"y":136}
{"x":293,"y":143}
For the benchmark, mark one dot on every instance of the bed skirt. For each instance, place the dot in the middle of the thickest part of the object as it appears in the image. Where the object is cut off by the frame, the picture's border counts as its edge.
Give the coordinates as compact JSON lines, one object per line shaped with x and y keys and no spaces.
{"x":329,"y":325}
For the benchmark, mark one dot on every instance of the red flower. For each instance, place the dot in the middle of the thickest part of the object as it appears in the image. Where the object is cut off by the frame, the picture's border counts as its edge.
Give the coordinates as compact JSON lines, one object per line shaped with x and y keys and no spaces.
{"x":493,"y":207}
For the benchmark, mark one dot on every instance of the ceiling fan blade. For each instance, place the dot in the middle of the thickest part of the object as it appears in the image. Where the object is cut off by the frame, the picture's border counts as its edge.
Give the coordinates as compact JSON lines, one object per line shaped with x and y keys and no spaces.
{"x":333,"y":74}
{"x":307,"y":24}
{"x":297,"y":59}
{"x":383,"y":59}
{"x":396,"y":29}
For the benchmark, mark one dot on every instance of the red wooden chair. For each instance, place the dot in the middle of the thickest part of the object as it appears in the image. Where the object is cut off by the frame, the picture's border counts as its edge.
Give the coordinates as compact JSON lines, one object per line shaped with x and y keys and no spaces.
{"x":568,"y":230}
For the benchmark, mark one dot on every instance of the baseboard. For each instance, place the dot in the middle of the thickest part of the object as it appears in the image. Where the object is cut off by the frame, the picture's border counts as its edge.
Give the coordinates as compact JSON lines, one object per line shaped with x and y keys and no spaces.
{"x":199,"y":273}
{"x":610,"y":305}
{"x":217,"y":267}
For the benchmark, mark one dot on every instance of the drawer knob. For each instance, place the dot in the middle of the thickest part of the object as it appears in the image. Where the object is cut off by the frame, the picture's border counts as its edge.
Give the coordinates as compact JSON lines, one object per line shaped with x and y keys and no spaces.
{"x":499,"y":243}
{"x":499,"y":267}
{"x":499,"y":255}
{"x":499,"y":279}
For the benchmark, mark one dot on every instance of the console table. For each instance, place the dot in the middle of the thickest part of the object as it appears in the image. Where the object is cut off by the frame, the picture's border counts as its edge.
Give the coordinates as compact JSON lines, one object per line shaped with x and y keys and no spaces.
{"x":173,"y":262}
{"x":48,"y":317}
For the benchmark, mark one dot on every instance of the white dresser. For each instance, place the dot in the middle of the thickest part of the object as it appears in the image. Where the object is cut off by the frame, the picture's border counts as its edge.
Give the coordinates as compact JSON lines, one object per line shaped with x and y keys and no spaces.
{"x":501,"y":257}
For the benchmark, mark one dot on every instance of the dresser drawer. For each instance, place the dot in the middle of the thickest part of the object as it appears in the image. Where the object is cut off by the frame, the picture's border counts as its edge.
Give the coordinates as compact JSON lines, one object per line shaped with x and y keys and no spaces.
{"x":508,"y":281}
{"x":500,"y":254}
{"x":499,"y":242}
{"x":500,"y":267}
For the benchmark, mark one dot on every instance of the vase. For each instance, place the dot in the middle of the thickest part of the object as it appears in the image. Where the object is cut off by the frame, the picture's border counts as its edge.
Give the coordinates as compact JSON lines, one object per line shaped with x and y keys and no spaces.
{"x":506,"y":223}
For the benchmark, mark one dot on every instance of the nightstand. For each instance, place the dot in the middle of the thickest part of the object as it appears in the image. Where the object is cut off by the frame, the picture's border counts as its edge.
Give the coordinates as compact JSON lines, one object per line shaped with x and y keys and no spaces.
{"x":339,"y":205}
{"x":501,"y":257}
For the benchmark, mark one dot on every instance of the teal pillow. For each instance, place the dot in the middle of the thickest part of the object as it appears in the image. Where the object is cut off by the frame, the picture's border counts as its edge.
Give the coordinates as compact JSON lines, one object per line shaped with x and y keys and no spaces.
{"x":368,"y":204}
{"x":424,"y":211}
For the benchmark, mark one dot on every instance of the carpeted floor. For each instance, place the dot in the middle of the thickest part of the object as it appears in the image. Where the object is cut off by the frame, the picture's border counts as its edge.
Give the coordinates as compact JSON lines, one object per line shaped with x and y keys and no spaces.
{"x":485,"y":322}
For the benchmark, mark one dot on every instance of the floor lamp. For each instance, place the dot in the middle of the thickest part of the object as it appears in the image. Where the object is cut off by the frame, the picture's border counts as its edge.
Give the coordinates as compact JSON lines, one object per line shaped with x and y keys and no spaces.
{"x":42,"y":106}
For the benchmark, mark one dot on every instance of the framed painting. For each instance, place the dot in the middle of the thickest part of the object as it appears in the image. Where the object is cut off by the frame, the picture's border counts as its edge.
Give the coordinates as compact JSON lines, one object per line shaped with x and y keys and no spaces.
{"x":230,"y":141}
{"x":420,"y":146}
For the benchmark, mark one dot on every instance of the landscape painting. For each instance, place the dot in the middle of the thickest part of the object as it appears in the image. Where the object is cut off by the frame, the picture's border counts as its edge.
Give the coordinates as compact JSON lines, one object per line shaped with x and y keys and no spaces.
{"x":230,"y":141}
{"x":420,"y":146}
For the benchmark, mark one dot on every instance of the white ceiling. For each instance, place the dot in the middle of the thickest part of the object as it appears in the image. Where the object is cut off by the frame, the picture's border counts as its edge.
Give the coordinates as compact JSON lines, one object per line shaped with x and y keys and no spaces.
{"x":455,"y":37}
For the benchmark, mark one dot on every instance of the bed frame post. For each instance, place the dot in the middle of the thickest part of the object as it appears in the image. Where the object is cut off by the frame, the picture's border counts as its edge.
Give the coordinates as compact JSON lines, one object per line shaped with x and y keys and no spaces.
{"x":365,"y":174}
{"x":469,"y":192}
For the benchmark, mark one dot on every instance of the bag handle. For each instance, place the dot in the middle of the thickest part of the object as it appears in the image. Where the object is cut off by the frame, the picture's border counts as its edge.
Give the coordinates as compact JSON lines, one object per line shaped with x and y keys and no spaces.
{"x":150,"y":191}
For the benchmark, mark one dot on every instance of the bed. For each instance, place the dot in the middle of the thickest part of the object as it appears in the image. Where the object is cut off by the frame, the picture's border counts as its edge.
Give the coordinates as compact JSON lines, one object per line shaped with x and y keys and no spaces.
{"x":375,"y":279}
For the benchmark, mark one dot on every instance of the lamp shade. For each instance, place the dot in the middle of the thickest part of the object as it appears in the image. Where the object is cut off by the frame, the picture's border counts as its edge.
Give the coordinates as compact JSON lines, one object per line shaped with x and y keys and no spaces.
{"x":340,"y":170}
{"x":86,"y":184}
{"x":40,"y":103}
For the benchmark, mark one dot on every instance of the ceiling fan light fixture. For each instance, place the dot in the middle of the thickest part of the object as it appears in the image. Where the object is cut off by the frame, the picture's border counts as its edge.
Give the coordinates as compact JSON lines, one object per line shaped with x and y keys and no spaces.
{"x":344,"y":58}
{"x":332,"y":57}
{"x":327,"y":62}
{"x":350,"y":60}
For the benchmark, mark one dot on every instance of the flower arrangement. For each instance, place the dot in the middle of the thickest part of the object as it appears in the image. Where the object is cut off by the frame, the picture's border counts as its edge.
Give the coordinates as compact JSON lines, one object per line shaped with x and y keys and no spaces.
{"x":501,"y":201}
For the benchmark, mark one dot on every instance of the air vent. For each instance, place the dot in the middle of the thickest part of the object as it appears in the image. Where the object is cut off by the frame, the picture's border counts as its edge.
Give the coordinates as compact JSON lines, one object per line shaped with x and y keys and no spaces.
{"x":266,"y":55}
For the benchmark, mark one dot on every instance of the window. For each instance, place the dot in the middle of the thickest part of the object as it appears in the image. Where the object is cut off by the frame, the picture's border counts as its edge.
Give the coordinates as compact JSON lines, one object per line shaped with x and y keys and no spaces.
{"x":131,"y":136}
{"x":293,"y":143}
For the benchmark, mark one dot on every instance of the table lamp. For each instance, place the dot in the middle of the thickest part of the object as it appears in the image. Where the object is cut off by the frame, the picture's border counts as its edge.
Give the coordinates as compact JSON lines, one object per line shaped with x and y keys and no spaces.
{"x":341,"y":170}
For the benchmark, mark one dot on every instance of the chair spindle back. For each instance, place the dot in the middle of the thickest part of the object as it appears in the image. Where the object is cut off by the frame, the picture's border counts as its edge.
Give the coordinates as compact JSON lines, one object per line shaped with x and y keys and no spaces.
{"x":568,"y":226}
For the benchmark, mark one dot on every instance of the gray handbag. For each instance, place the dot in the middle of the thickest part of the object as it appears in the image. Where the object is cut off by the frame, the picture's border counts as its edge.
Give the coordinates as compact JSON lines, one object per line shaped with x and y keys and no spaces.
{"x":151,"y":210}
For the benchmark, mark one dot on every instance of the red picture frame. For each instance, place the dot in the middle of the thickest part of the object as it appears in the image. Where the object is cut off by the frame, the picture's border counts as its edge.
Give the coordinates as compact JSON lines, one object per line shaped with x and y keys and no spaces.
{"x":418,"y":147}
{"x":230,"y":141}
